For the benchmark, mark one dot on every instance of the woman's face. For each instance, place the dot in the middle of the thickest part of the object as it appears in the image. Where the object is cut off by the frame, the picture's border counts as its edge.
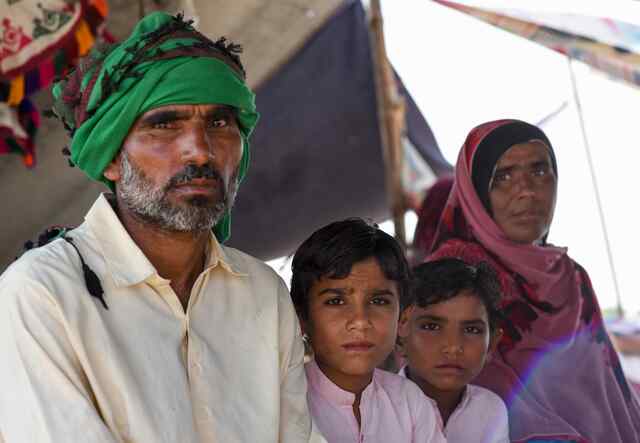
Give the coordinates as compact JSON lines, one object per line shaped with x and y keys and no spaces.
{"x":522,"y":192}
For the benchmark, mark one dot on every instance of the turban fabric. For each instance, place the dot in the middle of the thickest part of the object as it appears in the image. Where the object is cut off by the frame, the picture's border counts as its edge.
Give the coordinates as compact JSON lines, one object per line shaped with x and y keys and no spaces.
{"x":163,"y":62}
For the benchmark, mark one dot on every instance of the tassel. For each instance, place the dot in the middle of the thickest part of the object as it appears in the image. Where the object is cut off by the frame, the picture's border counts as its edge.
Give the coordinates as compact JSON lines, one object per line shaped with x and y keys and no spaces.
{"x":91,"y":280}
{"x":93,"y":284}
{"x":51,"y":234}
{"x":46,"y":237}
{"x":16,"y":91}
{"x":28,"y":160}
{"x":84,"y":38}
{"x":101,"y":6}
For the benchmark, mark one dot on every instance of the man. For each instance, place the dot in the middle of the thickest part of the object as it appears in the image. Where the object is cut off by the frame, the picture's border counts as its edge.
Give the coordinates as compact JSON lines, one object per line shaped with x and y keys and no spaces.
{"x":138,"y":326}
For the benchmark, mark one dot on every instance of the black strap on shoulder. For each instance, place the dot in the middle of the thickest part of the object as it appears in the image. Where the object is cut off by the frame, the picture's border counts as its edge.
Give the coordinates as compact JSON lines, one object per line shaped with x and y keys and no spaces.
{"x":91,"y":280}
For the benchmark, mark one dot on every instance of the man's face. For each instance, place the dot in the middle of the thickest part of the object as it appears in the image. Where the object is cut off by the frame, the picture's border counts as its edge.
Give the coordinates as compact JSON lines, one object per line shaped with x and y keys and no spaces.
{"x":522,"y":192}
{"x":178,"y":166}
{"x":352,"y":323}
{"x":446,"y":343}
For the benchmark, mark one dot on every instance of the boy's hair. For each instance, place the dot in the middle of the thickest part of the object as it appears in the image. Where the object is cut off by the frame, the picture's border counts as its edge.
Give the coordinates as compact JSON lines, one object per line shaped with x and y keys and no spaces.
{"x":440,"y":280}
{"x":331,"y":252}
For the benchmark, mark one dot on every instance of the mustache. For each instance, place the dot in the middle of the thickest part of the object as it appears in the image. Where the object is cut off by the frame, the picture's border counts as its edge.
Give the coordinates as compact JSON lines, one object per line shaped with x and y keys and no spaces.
{"x":192,"y":172}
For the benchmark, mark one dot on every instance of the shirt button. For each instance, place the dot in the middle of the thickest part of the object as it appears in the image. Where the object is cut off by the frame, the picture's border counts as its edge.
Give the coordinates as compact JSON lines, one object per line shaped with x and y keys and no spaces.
{"x":205,"y":414}
{"x":196,"y":367}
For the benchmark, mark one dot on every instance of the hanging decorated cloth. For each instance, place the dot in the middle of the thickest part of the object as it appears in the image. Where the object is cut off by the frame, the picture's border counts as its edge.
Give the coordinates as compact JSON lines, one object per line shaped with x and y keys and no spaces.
{"x":39,"y":41}
{"x":18,"y":126}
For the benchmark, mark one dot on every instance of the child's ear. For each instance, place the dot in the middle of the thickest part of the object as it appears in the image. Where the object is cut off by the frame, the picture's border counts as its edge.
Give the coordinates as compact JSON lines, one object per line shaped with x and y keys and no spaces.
{"x":303,"y":323}
{"x":404,"y":324}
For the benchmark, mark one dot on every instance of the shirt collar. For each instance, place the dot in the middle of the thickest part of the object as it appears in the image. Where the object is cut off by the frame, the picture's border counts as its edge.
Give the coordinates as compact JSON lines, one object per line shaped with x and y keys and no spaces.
{"x":466,"y":395}
{"x":329,"y":390}
{"x":217,"y":255}
{"x":125,"y":261}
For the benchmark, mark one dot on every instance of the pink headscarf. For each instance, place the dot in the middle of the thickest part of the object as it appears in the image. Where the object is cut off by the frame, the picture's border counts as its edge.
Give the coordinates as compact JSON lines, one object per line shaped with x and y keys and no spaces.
{"x":555,"y":366}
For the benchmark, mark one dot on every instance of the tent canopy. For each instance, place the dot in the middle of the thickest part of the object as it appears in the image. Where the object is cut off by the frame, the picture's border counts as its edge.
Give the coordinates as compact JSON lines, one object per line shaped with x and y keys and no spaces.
{"x":603,"y":43}
{"x":316,"y":154}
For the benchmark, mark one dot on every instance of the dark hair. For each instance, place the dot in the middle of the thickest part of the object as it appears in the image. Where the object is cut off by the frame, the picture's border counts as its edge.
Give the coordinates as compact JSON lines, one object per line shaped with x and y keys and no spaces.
{"x":440,"y":280}
{"x":331,"y":252}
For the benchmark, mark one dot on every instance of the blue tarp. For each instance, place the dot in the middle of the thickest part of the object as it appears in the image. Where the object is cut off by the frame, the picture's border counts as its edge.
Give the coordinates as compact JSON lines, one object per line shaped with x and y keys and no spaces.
{"x":316,"y":153}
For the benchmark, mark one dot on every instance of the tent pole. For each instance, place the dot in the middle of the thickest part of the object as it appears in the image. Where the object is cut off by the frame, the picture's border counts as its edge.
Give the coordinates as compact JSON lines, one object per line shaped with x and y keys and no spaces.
{"x":552,"y":115}
{"x":141,"y":11}
{"x":594,"y":181}
{"x":391,"y":117}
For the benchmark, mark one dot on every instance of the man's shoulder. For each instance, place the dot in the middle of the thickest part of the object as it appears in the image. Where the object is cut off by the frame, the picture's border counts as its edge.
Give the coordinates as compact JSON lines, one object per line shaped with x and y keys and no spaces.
{"x":250,"y":266}
{"x":267,"y":289}
{"x":37,"y":263}
{"x":43,"y":268}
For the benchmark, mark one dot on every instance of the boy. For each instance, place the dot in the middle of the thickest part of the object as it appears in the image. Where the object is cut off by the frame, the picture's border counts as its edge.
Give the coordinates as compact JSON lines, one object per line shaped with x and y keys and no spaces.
{"x":447,"y":331}
{"x":347,"y":281}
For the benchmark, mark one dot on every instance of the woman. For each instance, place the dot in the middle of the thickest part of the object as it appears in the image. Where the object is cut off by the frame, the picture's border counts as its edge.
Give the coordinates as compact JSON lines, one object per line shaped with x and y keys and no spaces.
{"x":555,"y":366}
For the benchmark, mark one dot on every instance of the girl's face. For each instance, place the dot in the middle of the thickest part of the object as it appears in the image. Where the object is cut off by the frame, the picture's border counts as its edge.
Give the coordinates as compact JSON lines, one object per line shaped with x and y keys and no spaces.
{"x":352,"y":323}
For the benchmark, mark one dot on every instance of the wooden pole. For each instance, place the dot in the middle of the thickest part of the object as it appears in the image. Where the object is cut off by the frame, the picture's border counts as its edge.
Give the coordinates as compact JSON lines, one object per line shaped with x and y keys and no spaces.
{"x":141,"y":11}
{"x":391,"y":117}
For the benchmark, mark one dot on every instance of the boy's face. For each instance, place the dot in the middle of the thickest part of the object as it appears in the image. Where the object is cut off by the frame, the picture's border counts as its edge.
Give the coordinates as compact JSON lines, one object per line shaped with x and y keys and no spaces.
{"x":446,"y":343}
{"x":352,"y":323}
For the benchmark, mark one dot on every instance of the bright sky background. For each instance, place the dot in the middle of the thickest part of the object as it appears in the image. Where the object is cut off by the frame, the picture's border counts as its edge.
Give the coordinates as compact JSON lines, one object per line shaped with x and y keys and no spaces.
{"x":462,"y":72}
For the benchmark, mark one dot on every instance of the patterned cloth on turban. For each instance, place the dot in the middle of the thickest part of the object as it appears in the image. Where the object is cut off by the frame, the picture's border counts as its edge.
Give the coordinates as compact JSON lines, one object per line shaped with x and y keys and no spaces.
{"x":165,"y":61}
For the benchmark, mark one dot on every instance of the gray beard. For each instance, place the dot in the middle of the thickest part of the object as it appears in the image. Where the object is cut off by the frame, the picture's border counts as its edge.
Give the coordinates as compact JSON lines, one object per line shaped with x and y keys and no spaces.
{"x":150,"y":203}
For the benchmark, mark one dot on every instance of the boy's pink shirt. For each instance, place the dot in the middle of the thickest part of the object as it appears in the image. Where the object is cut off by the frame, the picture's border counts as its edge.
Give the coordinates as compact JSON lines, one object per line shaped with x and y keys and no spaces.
{"x":480,"y":417}
{"x":392,"y":409}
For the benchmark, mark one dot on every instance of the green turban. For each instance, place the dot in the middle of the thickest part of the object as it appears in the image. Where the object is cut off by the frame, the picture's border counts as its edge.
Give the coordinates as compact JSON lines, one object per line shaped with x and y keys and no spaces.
{"x":164,"y":62}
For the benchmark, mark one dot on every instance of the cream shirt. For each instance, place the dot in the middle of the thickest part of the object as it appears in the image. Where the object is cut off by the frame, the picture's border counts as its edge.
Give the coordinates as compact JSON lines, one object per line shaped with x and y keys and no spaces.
{"x":229,"y":369}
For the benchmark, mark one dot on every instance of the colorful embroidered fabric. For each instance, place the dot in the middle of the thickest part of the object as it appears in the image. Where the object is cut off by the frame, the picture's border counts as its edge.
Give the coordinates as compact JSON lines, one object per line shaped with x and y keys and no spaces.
{"x":430,"y":213}
{"x":555,"y":367}
{"x":39,"y":40}
{"x":18,"y":126}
